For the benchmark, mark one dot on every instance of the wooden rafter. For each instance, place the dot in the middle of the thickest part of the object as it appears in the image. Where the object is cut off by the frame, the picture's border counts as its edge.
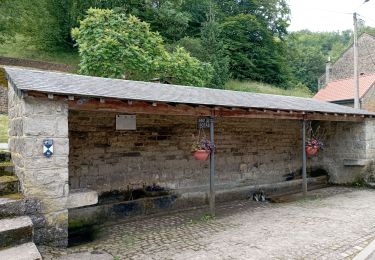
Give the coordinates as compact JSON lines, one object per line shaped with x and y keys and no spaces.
{"x":164,"y":108}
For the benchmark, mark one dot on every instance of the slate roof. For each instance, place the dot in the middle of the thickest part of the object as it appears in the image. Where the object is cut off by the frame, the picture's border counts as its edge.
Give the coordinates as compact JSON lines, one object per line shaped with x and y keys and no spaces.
{"x":78,"y":85}
{"x":343,"y":89}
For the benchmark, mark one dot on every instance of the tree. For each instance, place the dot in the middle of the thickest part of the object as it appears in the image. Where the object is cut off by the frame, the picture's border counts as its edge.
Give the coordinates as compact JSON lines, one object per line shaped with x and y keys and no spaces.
{"x":255,"y":53}
{"x":273,"y":14}
{"x":308,"y":53}
{"x":9,"y":18}
{"x":215,"y":52}
{"x":119,"y":46}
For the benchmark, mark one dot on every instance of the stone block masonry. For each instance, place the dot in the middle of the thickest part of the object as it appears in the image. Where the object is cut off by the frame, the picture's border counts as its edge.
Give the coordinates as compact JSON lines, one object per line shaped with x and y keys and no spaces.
{"x":3,"y":100}
{"x":249,"y":152}
{"x":346,"y":141}
{"x":46,"y":179}
{"x":343,"y":67}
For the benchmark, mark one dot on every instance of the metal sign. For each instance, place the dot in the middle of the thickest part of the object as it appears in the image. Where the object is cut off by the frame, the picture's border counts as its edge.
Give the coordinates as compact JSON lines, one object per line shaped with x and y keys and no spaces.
{"x":126,"y":122}
{"x":47,"y":147}
{"x":203,"y":122}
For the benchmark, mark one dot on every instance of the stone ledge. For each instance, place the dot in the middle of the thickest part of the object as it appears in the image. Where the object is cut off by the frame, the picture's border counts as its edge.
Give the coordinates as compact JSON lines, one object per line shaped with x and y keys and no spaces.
{"x":27,"y":251}
{"x":356,"y":162}
{"x":82,"y":197}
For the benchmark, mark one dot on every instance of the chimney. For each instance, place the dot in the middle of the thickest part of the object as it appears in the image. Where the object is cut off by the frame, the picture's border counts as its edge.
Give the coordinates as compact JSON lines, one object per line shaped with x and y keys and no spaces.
{"x":328,"y":70}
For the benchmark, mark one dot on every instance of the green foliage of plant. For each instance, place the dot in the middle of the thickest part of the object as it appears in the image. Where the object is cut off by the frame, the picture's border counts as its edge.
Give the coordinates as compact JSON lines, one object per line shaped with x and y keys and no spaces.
{"x":257,"y":87}
{"x":115,"y":45}
{"x":308,"y":53}
{"x":255,"y":53}
{"x":19,"y":47}
{"x":206,"y":217}
{"x":359,"y":182}
{"x":214,"y":51}
{"x":3,"y":128}
{"x":247,"y":40}
{"x":7,"y":20}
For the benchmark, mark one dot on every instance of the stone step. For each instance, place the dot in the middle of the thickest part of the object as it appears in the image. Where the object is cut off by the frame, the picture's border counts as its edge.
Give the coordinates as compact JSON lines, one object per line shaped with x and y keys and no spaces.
{"x":6,"y":169}
{"x":15,"y":205}
{"x":8,"y":185}
{"x":26,"y":251}
{"x":15,"y":231}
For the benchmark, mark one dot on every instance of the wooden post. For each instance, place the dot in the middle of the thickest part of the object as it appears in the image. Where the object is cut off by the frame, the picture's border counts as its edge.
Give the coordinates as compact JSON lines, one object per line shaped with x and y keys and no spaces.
{"x":304,"y":173}
{"x":212,"y":168}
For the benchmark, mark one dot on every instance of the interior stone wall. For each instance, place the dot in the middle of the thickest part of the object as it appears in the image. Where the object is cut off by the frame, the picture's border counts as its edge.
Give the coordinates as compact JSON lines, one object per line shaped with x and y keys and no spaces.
{"x":249,"y":152}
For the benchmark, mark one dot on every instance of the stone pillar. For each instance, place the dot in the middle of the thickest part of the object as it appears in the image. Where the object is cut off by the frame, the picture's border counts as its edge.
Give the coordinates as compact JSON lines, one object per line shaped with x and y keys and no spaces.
{"x":31,"y":120}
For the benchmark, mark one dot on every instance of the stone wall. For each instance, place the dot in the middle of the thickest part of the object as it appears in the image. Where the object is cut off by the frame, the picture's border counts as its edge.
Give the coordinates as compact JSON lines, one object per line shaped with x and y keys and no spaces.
{"x":368,"y":101}
{"x":249,"y":152}
{"x":32,"y":120}
{"x":348,"y":153}
{"x":343,"y":67}
{"x":3,"y":100}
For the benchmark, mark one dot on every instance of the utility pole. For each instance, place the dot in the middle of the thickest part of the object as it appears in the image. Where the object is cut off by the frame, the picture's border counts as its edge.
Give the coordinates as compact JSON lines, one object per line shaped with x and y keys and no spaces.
{"x":355,"y":48}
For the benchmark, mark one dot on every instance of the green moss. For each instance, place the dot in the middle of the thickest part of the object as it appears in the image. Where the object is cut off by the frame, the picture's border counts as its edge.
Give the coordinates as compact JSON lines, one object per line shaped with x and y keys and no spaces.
{"x":15,"y":196}
{"x":6,"y":164}
{"x":6,"y":179}
{"x":206,"y":217}
{"x":79,"y":223}
{"x":3,"y":128}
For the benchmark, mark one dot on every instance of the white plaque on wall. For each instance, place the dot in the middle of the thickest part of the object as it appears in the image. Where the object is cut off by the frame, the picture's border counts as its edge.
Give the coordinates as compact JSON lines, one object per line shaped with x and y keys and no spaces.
{"x":126,"y":122}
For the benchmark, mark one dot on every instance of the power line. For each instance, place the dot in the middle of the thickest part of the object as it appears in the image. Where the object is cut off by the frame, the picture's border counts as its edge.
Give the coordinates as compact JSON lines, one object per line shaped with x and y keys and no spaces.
{"x":366,"y":18}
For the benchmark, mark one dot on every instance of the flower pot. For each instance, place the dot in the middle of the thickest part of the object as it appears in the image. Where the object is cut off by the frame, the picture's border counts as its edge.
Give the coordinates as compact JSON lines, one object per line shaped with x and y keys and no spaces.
{"x":201,"y":155}
{"x":311,"y":150}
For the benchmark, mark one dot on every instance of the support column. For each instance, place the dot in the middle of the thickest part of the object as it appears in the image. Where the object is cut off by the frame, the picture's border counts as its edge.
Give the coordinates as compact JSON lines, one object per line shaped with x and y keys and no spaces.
{"x":304,"y":160}
{"x":212,"y":167}
{"x":31,"y":121}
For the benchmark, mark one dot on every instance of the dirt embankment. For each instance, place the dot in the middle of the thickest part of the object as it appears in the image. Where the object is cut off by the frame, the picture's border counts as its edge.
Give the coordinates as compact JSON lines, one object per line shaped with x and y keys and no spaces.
{"x":36,"y":64}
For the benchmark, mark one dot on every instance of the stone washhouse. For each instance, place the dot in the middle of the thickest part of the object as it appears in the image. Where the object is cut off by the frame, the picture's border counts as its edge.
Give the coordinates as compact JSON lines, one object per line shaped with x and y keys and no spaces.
{"x":85,"y":148}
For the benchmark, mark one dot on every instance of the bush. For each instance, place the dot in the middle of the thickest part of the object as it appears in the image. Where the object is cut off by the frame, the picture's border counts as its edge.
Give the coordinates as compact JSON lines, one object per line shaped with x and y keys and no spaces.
{"x":119,"y":46}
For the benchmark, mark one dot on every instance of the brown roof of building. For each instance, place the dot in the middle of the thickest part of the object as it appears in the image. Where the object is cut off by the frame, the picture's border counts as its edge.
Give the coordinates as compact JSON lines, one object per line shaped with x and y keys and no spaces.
{"x":344,"y":89}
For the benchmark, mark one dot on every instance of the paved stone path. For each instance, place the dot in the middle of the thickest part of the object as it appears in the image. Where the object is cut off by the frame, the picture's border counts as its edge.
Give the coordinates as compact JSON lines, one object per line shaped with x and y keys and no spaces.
{"x":332,"y":223}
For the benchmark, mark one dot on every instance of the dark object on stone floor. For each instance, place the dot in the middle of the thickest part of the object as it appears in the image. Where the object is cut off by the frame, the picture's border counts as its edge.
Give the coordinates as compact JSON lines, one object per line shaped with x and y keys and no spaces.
{"x":259,"y":196}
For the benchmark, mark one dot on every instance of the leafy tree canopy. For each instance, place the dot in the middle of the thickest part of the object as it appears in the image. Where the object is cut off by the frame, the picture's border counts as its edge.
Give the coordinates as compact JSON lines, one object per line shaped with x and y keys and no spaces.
{"x":255,"y":53}
{"x":115,"y":45}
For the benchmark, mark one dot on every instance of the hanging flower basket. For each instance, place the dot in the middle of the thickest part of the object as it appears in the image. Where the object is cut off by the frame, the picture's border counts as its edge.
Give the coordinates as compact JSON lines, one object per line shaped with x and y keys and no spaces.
{"x":311,"y":150}
{"x":313,"y":145}
{"x":201,"y":155}
{"x":202,"y":148}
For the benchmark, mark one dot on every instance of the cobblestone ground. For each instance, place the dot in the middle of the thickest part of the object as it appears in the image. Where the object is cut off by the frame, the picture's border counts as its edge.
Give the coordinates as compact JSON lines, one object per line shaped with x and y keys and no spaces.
{"x":332,"y":223}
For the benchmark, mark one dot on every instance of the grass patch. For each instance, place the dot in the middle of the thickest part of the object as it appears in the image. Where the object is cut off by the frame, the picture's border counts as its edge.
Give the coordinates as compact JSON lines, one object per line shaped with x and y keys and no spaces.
{"x":258,"y":87}
{"x":3,"y":128}
{"x":19,"y":48}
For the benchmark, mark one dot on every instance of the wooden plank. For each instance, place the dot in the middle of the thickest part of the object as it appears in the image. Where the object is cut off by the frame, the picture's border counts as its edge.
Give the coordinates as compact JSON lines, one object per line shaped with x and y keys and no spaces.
{"x":162,"y":108}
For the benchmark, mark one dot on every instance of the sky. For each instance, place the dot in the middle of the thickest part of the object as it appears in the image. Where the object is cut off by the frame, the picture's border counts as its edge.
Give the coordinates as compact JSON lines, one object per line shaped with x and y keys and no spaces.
{"x":329,"y":15}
